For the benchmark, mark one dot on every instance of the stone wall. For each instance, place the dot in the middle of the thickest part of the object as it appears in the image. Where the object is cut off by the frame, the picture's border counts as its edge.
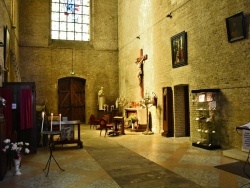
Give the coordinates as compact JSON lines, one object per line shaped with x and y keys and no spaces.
{"x":108,"y":60}
{"x":213,"y":62}
{"x":44,"y":61}
{"x":9,"y":18}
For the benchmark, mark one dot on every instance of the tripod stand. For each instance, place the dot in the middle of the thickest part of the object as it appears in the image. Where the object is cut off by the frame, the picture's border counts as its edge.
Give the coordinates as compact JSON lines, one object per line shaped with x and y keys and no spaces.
{"x":51,"y":147}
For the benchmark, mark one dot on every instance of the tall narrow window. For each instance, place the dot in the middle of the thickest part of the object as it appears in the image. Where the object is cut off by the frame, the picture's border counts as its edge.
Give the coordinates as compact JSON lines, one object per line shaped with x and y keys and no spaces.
{"x":70,"y":20}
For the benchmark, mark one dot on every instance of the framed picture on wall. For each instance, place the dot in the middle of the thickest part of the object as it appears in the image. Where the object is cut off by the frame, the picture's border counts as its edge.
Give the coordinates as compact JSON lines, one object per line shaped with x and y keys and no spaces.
{"x":179,"y":49}
{"x":6,"y":46}
{"x":236,"y":28}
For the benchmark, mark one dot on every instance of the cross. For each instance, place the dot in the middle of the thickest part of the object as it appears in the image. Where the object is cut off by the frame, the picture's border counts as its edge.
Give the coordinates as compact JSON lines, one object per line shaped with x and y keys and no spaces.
{"x":140,"y":61}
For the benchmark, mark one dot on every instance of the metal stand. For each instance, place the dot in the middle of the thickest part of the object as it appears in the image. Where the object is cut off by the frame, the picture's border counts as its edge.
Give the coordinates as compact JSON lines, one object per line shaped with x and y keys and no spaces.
{"x":51,"y":147}
{"x":147,"y":104}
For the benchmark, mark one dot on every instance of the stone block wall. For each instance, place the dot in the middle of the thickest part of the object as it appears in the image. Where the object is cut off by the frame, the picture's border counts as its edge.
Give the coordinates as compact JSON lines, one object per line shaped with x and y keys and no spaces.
{"x":9,"y":19}
{"x":119,"y":29}
{"x":44,"y":61}
{"x":213,"y":62}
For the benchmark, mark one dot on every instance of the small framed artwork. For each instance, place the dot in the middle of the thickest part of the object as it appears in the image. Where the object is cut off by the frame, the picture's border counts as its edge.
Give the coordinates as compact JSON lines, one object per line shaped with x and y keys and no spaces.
{"x":179,"y":49}
{"x":6,"y":45}
{"x":236,"y":28}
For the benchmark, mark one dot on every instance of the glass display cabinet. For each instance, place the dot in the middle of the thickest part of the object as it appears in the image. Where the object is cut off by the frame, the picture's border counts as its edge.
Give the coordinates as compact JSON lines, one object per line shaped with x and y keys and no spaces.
{"x":206,"y":122}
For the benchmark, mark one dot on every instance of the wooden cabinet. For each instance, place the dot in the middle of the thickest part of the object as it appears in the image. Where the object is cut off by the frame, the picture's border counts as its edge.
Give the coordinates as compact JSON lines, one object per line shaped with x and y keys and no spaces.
{"x":16,"y":115}
{"x":168,"y":114}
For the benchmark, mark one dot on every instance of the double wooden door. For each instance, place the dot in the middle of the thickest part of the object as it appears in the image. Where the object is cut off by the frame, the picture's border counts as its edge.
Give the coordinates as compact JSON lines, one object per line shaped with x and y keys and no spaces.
{"x":71,"y":98}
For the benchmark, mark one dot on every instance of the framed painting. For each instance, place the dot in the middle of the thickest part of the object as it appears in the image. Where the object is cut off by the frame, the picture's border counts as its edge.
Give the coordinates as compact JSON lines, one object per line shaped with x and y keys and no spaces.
{"x":236,"y":28}
{"x":179,"y":49}
{"x":6,"y":45}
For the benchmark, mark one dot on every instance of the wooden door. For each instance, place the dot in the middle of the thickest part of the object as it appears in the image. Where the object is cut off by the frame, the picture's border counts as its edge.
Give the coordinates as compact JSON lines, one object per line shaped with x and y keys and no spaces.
{"x":71,"y":98}
{"x":168,"y":120}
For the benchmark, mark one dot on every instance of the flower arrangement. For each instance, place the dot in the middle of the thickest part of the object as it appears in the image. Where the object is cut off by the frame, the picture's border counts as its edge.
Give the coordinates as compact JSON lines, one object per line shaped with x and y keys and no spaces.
{"x":15,"y":149}
{"x":132,"y":118}
{"x":2,"y":102}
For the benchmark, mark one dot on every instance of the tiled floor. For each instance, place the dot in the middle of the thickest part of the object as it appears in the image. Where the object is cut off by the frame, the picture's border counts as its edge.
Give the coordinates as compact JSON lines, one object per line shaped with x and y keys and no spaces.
{"x":81,"y":170}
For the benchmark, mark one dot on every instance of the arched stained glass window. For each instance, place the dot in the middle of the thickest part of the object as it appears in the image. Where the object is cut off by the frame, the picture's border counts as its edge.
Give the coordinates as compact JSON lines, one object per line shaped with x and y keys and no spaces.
{"x":70,"y":20}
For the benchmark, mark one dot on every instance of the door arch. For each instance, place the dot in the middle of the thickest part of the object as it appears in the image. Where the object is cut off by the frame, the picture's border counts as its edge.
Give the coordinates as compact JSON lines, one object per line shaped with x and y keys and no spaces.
{"x":71,"y":98}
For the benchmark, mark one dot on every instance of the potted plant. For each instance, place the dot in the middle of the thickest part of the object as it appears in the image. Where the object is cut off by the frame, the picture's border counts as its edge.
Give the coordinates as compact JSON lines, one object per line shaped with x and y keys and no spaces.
{"x":132,"y":119}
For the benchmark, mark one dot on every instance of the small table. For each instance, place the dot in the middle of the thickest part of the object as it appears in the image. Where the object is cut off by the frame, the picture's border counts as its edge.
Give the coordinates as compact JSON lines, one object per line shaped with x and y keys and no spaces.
{"x":117,"y":120}
{"x":51,"y":133}
{"x":71,"y":141}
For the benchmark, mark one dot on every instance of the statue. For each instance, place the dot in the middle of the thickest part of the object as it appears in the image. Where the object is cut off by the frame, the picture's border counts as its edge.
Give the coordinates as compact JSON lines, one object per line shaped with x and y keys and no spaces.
{"x":116,"y":103}
{"x":139,"y":72}
{"x":101,"y":99}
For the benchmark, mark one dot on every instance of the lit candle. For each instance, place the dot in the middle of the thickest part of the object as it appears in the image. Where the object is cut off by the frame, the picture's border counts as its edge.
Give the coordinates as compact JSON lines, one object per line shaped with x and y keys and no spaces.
{"x":51,"y":118}
{"x":42,"y":121}
{"x":60,"y":121}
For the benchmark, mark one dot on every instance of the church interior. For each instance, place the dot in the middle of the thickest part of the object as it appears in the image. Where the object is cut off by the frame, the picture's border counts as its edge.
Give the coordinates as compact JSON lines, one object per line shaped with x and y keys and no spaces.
{"x":125,"y":93}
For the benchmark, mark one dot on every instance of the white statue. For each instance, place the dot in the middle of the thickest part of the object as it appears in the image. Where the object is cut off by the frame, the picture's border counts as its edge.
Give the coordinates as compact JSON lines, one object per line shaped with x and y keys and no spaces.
{"x":116,"y":103}
{"x":101,"y":99}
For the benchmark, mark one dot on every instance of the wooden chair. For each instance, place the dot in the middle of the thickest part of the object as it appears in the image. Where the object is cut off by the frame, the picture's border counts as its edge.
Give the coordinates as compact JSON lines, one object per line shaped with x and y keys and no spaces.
{"x":105,"y":125}
{"x":93,"y":121}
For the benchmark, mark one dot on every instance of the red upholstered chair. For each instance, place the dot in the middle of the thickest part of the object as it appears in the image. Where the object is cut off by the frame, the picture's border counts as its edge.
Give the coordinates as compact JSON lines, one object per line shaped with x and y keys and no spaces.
{"x":93,"y":121}
{"x":104,"y":125}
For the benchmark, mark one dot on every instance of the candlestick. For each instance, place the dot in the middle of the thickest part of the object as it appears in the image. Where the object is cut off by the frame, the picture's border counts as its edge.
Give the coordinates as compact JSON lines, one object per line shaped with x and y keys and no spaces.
{"x":60,"y":121}
{"x":42,"y":121}
{"x":51,"y":118}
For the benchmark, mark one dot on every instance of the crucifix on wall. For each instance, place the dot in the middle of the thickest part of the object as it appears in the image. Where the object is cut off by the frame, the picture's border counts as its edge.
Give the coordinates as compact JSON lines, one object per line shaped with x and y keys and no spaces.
{"x":140,"y":61}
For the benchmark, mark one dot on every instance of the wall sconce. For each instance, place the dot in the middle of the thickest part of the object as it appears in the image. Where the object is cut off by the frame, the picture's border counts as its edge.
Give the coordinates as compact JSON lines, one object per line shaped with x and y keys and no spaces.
{"x":169,"y":15}
{"x":1,"y":44}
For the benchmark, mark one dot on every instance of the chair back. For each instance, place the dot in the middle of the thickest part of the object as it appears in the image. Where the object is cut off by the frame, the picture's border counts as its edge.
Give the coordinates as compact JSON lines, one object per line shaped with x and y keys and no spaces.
{"x":106,"y":118}
{"x":92,"y":118}
{"x":103,"y":123}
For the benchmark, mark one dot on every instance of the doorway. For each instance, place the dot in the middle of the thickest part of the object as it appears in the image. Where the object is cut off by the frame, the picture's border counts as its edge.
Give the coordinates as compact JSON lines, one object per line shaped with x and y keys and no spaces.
{"x":71,"y":98}
{"x":181,"y":111}
{"x":168,"y":116}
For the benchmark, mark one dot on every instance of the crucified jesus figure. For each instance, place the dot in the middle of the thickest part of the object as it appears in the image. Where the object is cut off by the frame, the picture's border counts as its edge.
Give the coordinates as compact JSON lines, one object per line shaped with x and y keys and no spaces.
{"x":140,"y":61}
{"x":139,"y":72}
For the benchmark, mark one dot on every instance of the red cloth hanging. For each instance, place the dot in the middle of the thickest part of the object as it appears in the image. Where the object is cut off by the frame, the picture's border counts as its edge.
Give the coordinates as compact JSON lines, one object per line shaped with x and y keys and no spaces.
{"x":26,"y":111}
{"x":6,"y":93}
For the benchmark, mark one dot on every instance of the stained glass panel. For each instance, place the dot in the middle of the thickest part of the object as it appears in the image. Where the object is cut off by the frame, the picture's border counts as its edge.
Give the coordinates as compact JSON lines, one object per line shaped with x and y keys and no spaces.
{"x":70,"y":19}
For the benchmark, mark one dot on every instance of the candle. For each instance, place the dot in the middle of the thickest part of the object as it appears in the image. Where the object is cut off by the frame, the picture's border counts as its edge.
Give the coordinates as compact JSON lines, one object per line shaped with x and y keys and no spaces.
{"x":51,"y":118}
{"x":60,"y":121}
{"x":42,"y":121}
